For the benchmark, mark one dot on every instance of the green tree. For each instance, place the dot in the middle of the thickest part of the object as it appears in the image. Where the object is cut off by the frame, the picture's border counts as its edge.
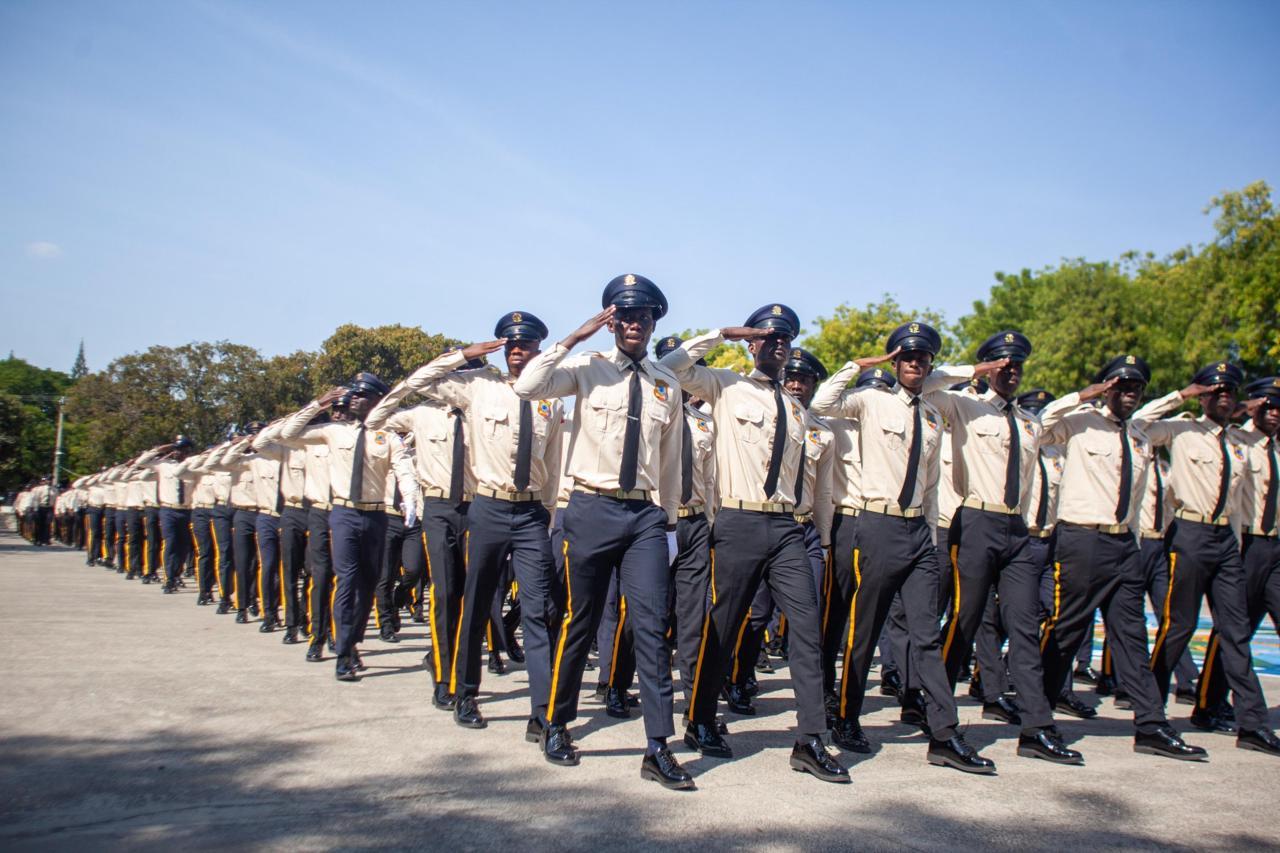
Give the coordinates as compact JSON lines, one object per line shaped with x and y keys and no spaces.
{"x":81,"y":367}
{"x":729,"y":354}
{"x":390,"y":352}
{"x":851,"y":332}
{"x":28,"y":420}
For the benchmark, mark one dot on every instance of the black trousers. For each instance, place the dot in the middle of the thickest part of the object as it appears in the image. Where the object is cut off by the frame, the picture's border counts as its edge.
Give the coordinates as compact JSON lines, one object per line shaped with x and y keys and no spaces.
{"x":690,"y":577}
{"x":840,"y":584}
{"x":444,"y":525}
{"x":497,"y":532}
{"x":359,"y":539}
{"x":403,"y":566}
{"x":151,"y":527}
{"x":1100,"y":571}
{"x":175,"y":527}
{"x":603,"y":535}
{"x":93,"y":531}
{"x":267,"y":540}
{"x":293,"y":554}
{"x":205,"y":551}
{"x":897,"y":554}
{"x":748,"y":548}
{"x":110,"y":535}
{"x":244,"y":536}
{"x":43,"y":519}
{"x":992,"y":551}
{"x":1155,"y":566}
{"x":1204,"y":561}
{"x":763,"y":613}
{"x":1260,"y":556}
{"x":616,"y":640}
{"x":320,"y":585}
{"x":135,"y":543}
{"x":224,"y":550}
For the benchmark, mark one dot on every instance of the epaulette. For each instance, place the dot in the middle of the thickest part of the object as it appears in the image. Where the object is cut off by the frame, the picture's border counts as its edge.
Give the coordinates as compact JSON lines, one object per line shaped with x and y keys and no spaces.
{"x":1183,"y":416}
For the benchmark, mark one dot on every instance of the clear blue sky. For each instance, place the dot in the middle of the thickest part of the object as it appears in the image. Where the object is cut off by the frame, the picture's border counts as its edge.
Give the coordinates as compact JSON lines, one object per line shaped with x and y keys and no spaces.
{"x":261,"y":172}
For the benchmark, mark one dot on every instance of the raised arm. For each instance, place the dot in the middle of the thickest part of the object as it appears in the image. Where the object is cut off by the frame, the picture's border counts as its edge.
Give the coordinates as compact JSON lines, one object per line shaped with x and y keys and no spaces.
{"x":544,"y":377}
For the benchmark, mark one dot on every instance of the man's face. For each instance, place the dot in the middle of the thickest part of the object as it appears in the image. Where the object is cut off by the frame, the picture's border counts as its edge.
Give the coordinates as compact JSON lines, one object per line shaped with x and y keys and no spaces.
{"x":1006,"y":380}
{"x":1219,"y":402}
{"x":801,"y":386}
{"x":632,"y":328}
{"x":1267,"y":418}
{"x":362,"y":403}
{"x":771,"y":353}
{"x":912,"y":368}
{"x":519,"y":353}
{"x":1123,"y":397}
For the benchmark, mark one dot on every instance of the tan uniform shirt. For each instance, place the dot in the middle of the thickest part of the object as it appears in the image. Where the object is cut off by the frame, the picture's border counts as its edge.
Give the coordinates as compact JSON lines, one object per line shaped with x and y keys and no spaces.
{"x":381,"y":450}
{"x":167,"y":476}
{"x":42,"y":495}
{"x":232,"y":460}
{"x":702,"y":430}
{"x":292,"y":460}
{"x":949,"y":497}
{"x":1196,"y":456}
{"x":315,"y":481}
{"x":1147,"y":515}
{"x":218,"y":482}
{"x":745,"y":413}
{"x":97,"y":492}
{"x":1091,"y":474}
{"x":846,"y":468}
{"x":492,"y":423}
{"x":1051,"y":457}
{"x":1253,"y":492}
{"x":886,"y":420}
{"x":601,"y":383}
{"x":820,"y":454}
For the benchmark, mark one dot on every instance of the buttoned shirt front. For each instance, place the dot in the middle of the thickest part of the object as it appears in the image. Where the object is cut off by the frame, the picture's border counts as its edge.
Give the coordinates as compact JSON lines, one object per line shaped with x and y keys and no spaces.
{"x":1147,"y":515}
{"x":1052,"y":465}
{"x":1253,"y":491}
{"x":601,"y":382}
{"x":167,"y":474}
{"x":1195,"y":455}
{"x":290,"y":459}
{"x":820,"y":454}
{"x":702,"y":432}
{"x":382,"y":449}
{"x":315,"y":480}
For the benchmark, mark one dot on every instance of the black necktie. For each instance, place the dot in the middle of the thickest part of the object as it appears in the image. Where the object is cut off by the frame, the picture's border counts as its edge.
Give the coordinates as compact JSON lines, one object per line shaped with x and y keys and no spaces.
{"x":1013,"y":469}
{"x":1159,"y":498}
{"x":913,"y":459}
{"x":357,"y":467}
{"x":1269,"y":503}
{"x":779,"y":442}
{"x":459,"y":459}
{"x":397,"y":499}
{"x":631,"y":439}
{"x":524,"y":446}
{"x":800,"y":474}
{"x":1226,"y":475}
{"x":686,"y":464}
{"x":1126,"y":474}
{"x":180,"y":485}
{"x":1042,"y":509}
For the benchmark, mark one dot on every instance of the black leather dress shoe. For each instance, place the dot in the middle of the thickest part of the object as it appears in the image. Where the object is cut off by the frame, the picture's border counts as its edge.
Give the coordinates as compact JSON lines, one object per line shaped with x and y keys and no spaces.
{"x":706,"y":740}
{"x":602,"y":690}
{"x":533,"y":730}
{"x":442,"y":698}
{"x":357,"y":661}
{"x":1209,"y":722}
{"x":1003,"y":710}
{"x":130,"y":576}
{"x":957,"y":753}
{"x":242,"y":618}
{"x":514,"y":651}
{"x":913,"y":710}
{"x":1105,"y":686}
{"x":315,"y":652}
{"x":223,"y":608}
{"x":345,"y":671}
{"x":1122,"y":701}
{"x":750,"y":686}
{"x":615,"y":704}
{"x":662,"y":767}
{"x":975,"y":688}
{"x":811,"y":757}
{"x":466,"y":713}
{"x":388,"y":635}
{"x":1165,"y":741}
{"x":762,"y":662}
{"x":890,"y":682}
{"x":1068,"y":704}
{"x":417,"y":618}
{"x":1047,"y":744}
{"x":290,"y":636}
{"x":1185,"y":696}
{"x":496,"y":666}
{"x":848,"y":734}
{"x":253,"y":609}
{"x":146,"y":580}
{"x":1085,"y":674}
{"x":1259,"y":740}
{"x":557,"y":746}
{"x":738,"y":701}
{"x":169,"y":589}
{"x":267,"y":626}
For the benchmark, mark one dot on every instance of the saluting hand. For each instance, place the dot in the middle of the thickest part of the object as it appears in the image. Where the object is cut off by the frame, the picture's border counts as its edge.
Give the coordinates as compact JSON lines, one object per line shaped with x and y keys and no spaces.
{"x":744,"y":333}
{"x":589,"y":328}
{"x":1195,"y":390}
{"x":1097,"y":389}
{"x":483,"y":348}
{"x":873,"y":360}
{"x":986,"y":368}
{"x":329,"y":397}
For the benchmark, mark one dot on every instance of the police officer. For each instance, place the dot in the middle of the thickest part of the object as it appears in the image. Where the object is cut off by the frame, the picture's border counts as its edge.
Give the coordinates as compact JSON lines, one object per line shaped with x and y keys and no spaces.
{"x":244,"y":519}
{"x":94,"y":519}
{"x":174,"y":473}
{"x":624,"y":456}
{"x":1096,"y":560}
{"x":319,"y":498}
{"x":1208,"y":461}
{"x":1256,"y":519}
{"x":901,"y":433}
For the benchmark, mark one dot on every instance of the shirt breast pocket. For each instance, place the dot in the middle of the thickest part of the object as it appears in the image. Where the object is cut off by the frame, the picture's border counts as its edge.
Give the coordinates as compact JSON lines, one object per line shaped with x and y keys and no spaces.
{"x":608,"y":415}
{"x":991,"y":436}
{"x":750,"y":418}
{"x":895,"y":432}
{"x":494,"y":421}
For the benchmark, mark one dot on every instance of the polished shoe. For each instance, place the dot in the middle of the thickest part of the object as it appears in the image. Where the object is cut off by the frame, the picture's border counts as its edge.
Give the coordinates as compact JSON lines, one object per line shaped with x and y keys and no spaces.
{"x":417,"y":618}
{"x":722,"y":727}
{"x":738,"y":701}
{"x":466,"y":713}
{"x":357,"y":661}
{"x":533,"y":730}
{"x":345,"y":671}
{"x":169,"y":589}
{"x":315,"y":652}
{"x":890,"y":682}
{"x":223,"y":608}
{"x":1165,"y":741}
{"x":662,"y":767}
{"x":1259,"y":740}
{"x":615,"y":704}
{"x":706,"y":740}
{"x":975,"y":688}
{"x":333,"y":645}
{"x":1047,"y":744}
{"x":1105,"y":686}
{"x":267,"y":626}
{"x":848,"y":735}
{"x":130,"y":576}
{"x":442,"y":698}
{"x":514,"y":651}
{"x":1003,"y":710}
{"x":762,"y":662}
{"x":1208,"y":722}
{"x":121,"y":571}
{"x":602,"y":690}
{"x":241,"y":618}
{"x":146,"y":580}
{"x":253,"y":609}
{"x":1085,"y":674}
{"x":557,"y":746}
{"x":388,"y":635}
{"x":811,"y":757}
{"x":290,"y":636}
{"x":1071,"y":706}
{"x":1185,"y":696}
{"x":204,"y":600}
{"x":913,"y":710}
{"x":1122,"y":701}
{"x":496,"y":666}
{"x":750,"y":686}
{"x":957,"y":753}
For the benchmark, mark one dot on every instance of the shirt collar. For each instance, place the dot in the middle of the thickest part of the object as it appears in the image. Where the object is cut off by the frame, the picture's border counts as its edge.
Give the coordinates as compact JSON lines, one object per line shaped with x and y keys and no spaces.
{"x":758,"y":376}
{"x":623,"y":361}
{"x":904,"y":395}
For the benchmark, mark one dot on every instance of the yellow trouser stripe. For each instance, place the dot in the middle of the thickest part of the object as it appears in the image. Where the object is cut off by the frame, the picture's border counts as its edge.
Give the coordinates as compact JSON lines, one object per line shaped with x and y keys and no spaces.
{"x":617,"y":637}
{"x":462,"y":612}
{"x":564,"y":634}
{"x":737,"y":646}
{"x":1210,"y":657}
{"x":702,"y":645}
{"x":853,"y":623}
{"x":1057,"y":605}
{"x":955,"y":602}
{"x":1164,"y":618}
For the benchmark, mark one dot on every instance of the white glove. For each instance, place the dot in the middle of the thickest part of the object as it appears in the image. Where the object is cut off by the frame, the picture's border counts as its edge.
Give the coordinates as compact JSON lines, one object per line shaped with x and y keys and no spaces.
{"x":672,"y":548}
{"x":410,"y":512}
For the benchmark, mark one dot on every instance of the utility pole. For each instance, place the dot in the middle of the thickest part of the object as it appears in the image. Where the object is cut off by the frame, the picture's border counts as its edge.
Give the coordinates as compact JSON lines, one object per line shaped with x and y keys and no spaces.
{"x":57,"y":446}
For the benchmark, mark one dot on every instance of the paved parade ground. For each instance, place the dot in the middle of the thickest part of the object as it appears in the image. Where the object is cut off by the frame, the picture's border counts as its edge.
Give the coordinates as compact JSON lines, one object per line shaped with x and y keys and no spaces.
{"x":135,"y":719}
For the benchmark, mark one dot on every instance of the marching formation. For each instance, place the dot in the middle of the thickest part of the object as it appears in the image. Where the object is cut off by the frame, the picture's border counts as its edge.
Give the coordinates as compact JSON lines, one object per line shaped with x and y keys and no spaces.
{"x":689,"y":519}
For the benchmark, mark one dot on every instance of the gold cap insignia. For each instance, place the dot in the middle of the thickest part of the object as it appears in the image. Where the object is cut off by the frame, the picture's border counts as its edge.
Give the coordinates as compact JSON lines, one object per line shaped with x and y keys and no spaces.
{"x":629,"y":280}
{"x":1276,"y":382}
{"x":1222,"y":367}
{"x":1008,"y":337}
{"x":1128,"y":359}
{"x":776,"y":310}
{"x":1040,"y":396}
{"x":517,"y":317}
{"x":879,"y":374}
{"x":913,"y":328}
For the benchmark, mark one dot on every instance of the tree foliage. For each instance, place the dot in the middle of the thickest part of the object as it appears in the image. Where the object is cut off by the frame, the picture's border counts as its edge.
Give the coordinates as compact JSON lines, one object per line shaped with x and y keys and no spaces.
{"x":28,"y":420}
{"x":851,"y":333}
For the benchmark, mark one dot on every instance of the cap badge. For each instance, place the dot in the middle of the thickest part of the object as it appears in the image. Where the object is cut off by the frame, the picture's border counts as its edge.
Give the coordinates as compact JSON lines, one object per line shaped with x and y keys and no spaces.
{"x":879,"y":374}
{"x":913,"y":328}
{"x":1040,"y":396}
{"x":776,"y":310}
{"x":1128,"y":359}
{"x":1008,"y":337}
{"x":517,"y":317}
{"x":1276,"y":382}
{"x":1221,"y":367}
{"x":629,"y":280}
